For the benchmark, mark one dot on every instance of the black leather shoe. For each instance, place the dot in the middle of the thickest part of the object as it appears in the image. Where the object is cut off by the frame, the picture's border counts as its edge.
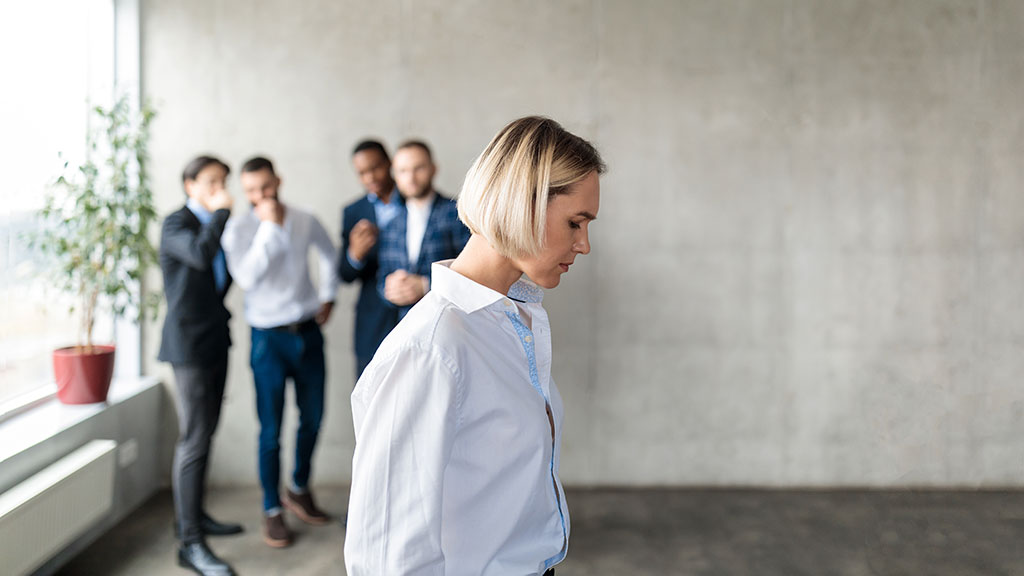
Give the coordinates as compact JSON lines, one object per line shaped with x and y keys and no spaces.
{"x":199,"y":558}
{"x":211,"y":527}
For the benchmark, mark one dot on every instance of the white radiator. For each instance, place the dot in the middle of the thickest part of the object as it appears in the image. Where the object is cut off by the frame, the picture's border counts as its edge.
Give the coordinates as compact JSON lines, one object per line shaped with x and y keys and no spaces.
{"x":46,"y":512}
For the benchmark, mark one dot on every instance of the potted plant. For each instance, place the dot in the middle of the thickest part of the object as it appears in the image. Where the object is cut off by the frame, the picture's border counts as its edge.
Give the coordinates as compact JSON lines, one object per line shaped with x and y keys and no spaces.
{"x":93,"y":239}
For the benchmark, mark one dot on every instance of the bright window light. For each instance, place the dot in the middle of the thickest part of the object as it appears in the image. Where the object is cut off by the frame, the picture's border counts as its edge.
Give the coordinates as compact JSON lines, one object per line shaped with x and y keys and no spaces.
{"x":58,"y":60}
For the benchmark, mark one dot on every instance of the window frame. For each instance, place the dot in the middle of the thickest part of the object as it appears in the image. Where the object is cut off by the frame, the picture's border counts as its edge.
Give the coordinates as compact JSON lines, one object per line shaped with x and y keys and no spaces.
{"x":119,"y":72}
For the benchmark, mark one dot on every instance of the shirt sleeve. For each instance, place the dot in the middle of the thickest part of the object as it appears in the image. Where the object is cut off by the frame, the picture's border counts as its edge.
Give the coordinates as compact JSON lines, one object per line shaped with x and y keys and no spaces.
{"x":195,"y":249}
{"x":327,"y":256}
{"x":350,"y":269}
{"x":249,"y":255}
{"x":355,"y":264}
{"x":387,"y":260}
{"x":405,"y":412}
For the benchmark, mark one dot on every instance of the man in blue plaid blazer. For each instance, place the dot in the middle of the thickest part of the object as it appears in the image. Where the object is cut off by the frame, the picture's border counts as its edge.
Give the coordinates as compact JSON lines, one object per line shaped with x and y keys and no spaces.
{"x":426,"y":230}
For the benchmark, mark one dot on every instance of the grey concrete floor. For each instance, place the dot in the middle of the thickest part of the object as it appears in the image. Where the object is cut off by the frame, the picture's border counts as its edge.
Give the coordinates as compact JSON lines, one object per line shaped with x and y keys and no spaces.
{"x":652,"y":532}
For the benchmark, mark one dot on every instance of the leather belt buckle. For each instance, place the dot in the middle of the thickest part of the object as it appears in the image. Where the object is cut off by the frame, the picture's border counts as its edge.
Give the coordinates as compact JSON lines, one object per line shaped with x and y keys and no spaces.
{"x":296,"y":327}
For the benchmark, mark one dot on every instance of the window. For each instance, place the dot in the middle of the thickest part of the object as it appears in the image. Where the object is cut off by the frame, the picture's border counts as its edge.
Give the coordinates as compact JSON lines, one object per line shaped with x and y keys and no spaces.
{"x":64,"y":60}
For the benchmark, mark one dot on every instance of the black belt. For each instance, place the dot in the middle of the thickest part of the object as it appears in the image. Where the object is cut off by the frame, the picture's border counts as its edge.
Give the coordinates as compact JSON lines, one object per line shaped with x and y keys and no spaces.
{"x":296,"y":327}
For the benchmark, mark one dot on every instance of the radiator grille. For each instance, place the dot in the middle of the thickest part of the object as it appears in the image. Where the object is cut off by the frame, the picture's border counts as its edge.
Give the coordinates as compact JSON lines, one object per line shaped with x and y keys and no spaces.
{"x":46,"y":512}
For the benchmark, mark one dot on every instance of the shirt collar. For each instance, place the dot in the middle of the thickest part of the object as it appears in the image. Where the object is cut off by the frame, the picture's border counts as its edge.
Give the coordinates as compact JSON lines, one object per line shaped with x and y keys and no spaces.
{"x":471,"y":296}
{"x":202,"y":214}
{"x":526,"y":291}
{"x":393,"y":199}
{"x":427,"y":206}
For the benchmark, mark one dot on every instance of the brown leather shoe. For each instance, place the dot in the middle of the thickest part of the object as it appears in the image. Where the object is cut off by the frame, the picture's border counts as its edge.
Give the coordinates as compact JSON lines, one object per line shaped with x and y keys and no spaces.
{"x":275,"y":533}
{"x":303,"y":507}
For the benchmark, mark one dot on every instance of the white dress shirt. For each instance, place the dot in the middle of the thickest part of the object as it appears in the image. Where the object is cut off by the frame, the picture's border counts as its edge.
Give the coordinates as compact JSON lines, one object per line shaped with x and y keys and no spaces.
{"x":270,"y":262}
{"x":418,"y":214}
{"x":455,"y":470}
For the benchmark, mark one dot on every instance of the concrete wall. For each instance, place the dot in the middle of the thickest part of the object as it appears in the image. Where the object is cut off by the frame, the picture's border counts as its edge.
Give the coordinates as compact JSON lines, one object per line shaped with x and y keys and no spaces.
{"x":810,"y":250}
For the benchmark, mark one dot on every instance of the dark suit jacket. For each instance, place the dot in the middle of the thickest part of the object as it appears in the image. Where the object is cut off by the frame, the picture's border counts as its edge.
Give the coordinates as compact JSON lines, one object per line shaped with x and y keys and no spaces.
{"x":374,"y":317}
{"x":196,"y":327}
{"x":443,"y":239}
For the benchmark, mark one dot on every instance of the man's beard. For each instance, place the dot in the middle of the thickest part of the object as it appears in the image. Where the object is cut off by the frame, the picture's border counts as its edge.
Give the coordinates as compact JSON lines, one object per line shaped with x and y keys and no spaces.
{"x":274,"y":197}
{"x":423,"y":193}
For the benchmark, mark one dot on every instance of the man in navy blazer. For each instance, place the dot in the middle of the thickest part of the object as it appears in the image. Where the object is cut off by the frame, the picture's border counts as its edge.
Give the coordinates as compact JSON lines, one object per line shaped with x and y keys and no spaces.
{"x":195,"y":341}
{"x":426,"y":230}
{"x":360,"y":225}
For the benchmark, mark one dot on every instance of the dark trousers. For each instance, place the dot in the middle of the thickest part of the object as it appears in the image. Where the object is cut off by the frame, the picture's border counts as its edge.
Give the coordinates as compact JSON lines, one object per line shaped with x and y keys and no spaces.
{"x":278,"y":355}
{"x":200,"y":393}
{"x":361,"y":363}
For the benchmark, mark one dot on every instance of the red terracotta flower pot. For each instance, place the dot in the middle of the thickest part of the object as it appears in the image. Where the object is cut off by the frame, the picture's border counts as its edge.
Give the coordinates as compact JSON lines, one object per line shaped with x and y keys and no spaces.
{"x":83,"y":374}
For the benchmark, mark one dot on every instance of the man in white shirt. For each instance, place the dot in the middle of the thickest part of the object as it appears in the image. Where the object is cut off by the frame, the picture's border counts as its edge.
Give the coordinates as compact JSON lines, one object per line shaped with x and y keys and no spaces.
{"x":267,"y":254}
{"x":426,"y":230}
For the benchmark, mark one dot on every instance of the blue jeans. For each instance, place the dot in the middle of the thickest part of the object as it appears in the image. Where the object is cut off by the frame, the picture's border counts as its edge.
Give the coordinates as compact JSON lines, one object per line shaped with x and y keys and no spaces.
{"x":275,"y":357}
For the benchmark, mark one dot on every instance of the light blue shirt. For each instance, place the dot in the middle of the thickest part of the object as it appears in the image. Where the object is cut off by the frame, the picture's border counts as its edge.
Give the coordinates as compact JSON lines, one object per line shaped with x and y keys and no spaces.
{"x":220,"y":265}
{"x":385,"y":211}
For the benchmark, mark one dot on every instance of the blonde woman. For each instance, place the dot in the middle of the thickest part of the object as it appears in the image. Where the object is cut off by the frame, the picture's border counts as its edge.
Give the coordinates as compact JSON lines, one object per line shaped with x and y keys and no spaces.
{"x":457,"y":421}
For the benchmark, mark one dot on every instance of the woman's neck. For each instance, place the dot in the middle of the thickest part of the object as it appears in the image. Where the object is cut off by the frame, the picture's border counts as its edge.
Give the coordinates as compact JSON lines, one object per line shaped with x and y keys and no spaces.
{"x":484,"y":265}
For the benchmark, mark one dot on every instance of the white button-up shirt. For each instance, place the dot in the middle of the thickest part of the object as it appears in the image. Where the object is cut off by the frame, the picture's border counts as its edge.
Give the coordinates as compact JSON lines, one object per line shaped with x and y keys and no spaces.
{"x":270,"y":262}
{"x":456,"y":463}
{"x":417,"y":217}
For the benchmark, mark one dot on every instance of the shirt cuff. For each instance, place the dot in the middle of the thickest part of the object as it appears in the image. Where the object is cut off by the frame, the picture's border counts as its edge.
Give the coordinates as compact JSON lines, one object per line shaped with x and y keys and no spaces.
{"x":270,"y":232}
{"x":357,"y":264}
{"x":329,"y":291}
{"x":270,"y":238}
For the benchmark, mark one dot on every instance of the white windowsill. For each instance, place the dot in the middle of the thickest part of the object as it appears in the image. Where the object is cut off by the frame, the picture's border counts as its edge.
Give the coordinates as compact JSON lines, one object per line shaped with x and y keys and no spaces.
{"x":26,"y":402}
{"x":39,"y":423}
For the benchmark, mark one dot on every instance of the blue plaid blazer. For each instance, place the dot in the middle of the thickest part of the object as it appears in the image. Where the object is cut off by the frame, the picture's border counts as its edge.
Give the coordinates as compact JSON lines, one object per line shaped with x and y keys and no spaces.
{"x":444,"y":238}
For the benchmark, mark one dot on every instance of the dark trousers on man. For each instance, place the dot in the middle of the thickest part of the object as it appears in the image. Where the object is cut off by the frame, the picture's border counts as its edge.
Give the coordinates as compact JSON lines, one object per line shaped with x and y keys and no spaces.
{"x":361,"y":363}
{"x":200,"y":393}
{"x":277,"y":355}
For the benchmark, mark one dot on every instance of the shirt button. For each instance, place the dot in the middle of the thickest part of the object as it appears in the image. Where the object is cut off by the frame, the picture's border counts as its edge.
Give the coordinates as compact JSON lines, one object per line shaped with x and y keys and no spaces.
{"x":508,"y":302}
{"x":528,"y":339}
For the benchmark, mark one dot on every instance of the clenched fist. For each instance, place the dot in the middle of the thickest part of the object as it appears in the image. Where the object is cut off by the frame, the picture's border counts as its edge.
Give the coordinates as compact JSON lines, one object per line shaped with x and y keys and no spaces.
{"x":403,"y":289}
{"x":362,"y":238}
{"x":270,"y":210}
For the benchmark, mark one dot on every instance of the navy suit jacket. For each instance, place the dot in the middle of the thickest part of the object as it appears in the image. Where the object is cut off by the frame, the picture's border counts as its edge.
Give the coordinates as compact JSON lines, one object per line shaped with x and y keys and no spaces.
{"x":195,"y":330}
{"x":374,"y":317}
{"x":443,"y":239}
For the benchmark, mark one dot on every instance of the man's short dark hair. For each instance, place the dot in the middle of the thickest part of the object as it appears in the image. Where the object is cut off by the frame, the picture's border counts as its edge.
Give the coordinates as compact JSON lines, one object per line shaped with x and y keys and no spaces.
{"x":371,"y":145}
{"x":257,"y":163}
{"x":193,"y":168}
{"x":416,"y":144}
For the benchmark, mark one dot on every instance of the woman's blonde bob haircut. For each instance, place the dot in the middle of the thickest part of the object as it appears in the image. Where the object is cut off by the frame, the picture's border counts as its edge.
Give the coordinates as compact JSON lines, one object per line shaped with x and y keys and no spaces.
{"x":506,"y":192}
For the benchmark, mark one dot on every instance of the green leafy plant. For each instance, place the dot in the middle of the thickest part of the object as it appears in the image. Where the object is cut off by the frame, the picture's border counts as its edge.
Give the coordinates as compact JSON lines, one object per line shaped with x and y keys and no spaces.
{"x":94,"y":222}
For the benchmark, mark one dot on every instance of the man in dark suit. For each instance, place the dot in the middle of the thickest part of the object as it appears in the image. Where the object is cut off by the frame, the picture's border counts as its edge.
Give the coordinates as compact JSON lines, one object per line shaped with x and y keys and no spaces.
{"x":426,"y":230}
{"x":360,"y":225}
{"x":195,"y":342}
